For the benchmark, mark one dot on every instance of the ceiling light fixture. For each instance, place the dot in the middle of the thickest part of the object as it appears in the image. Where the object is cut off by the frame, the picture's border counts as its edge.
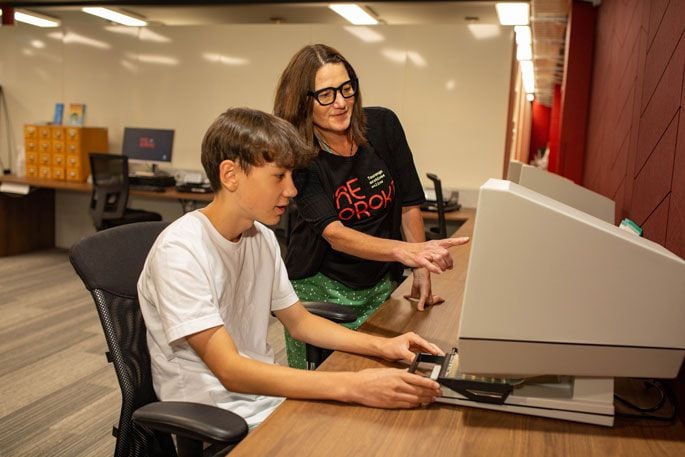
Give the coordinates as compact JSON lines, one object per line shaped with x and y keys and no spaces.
{"x":39,"y":20}
{"x":115,"y":16}
{"x":524,"y":52}
{"x":513,"y":13}
{"x":523,"y":34}
{"x":528,"y":76}
{"x":353,"y":13}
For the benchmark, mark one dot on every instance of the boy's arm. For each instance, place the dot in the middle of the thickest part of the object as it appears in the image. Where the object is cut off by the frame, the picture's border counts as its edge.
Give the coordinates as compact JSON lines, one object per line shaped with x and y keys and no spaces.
{"x":384,"y":388}
{"x":305,"y":326}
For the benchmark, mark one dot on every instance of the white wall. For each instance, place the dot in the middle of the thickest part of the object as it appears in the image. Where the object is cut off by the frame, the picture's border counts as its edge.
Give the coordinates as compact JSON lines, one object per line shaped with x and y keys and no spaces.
{"x":449,"y":88}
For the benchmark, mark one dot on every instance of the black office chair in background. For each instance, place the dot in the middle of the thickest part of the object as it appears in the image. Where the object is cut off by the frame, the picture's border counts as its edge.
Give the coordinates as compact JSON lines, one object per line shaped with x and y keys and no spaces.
{"x":109,"y":264}
{"x":109,"y":199}
{"x":439,"y":232}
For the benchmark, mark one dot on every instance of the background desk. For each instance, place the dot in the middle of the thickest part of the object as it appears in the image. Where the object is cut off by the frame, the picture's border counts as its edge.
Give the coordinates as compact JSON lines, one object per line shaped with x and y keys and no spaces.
{"x":27,"y":222}
{"x":318,"y":428}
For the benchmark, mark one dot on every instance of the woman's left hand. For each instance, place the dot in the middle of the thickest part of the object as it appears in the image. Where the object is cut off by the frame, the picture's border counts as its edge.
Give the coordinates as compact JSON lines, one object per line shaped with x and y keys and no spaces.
{"x":421,"y":290}
{"x":406,"y":346}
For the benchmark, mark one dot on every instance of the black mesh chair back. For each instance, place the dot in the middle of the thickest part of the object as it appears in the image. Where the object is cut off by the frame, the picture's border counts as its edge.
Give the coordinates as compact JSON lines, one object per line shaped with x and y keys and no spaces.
{"x":109,"y":264}
{"x":109,"y":199}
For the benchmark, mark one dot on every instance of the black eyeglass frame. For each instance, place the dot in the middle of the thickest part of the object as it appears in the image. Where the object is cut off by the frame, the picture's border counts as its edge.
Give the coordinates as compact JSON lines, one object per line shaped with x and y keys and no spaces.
{"x":355,"y":86}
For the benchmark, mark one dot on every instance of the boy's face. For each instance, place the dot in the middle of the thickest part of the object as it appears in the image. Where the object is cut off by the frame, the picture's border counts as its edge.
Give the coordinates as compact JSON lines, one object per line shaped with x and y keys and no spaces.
{"x":264,"y":192}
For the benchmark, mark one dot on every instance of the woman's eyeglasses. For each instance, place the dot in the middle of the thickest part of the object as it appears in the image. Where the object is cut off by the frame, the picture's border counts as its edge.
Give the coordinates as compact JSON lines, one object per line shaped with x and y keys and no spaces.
{"x":326,"y":96}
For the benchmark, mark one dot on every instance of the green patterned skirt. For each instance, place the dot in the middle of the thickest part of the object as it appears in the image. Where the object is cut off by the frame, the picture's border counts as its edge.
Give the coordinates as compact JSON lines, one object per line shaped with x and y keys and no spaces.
{"x":323,"y":288}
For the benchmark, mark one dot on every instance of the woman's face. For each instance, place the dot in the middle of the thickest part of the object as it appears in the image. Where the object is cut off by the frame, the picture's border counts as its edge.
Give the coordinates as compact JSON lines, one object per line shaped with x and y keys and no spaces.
{"x":334,"y":118}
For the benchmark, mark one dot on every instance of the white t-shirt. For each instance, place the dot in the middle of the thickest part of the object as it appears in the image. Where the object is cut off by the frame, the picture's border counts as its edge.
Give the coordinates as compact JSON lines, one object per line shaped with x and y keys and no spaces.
{"x":195,"y":279}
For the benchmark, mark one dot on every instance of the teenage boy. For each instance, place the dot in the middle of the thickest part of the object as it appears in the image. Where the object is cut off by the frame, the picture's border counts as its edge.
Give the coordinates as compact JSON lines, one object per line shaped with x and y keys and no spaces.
{"x":214,"y":276}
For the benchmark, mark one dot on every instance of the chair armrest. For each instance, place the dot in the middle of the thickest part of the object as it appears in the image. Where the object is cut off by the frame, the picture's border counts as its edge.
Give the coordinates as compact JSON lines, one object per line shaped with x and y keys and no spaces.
{"x":333,"y":312}
{"x":192,"y":420}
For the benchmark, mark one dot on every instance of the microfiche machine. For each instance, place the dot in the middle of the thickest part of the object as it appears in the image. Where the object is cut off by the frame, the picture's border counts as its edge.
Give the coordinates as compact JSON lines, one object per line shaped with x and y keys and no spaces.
{"x":557,"y":304}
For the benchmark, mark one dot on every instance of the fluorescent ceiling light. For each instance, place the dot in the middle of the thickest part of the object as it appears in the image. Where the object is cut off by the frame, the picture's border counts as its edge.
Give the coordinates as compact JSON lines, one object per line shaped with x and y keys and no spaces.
{"x":115,"y":16}
{"x":523,"y":34}
{"x":39,"y":20}
{"x":524,"y":52}
{"x":513,"y":13}
{"x":353,"y":13}
{"x":528,"y":76}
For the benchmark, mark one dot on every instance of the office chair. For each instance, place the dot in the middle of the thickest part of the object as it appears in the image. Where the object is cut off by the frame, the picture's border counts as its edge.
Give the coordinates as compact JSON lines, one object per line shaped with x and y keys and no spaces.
{"x":110,"y":193}
{"x":333,"y":312}
{"x":109,"y":264}
{"x":439,"y":232}
{"x":339,"y":314}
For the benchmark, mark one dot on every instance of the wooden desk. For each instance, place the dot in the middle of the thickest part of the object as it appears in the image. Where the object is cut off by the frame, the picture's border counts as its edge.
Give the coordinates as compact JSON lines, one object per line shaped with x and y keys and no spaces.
{"x":459,"y":215}
{"x":169,"y":193}
{"x":27,"y":223}
{"x":319,"y":428}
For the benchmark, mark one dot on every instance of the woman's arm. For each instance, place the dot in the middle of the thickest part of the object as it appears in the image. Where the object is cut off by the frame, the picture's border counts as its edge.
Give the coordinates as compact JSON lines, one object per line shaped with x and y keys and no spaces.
{"x":432,"y":255}
{"x":414,"y":231}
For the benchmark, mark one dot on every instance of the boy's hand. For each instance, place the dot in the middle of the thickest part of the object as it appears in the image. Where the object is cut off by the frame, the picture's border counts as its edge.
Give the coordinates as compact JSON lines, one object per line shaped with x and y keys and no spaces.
{"x":405,"y":347}
{"x":392,"y":388}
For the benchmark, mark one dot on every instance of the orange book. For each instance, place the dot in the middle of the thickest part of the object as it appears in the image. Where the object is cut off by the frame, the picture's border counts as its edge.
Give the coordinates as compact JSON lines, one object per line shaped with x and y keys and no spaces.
{"x":76,"y":114}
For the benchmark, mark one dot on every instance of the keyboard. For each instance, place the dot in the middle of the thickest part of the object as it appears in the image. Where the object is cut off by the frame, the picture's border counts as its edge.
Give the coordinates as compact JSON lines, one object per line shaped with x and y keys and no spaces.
{"x":147,"y":188}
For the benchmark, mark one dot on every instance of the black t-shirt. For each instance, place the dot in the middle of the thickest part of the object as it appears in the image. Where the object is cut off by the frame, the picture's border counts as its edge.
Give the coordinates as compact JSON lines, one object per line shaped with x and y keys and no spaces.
{"x":365,"y":192}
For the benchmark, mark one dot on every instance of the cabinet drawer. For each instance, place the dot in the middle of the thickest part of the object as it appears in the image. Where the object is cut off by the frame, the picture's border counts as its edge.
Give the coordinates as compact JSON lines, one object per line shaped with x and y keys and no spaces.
{"x":44,"y":146}
{"x":73,"y":147}
{"x":74,"y":174}
{"x":44,"y":158}
{"x":57,"y":133}
{"x":44,"y":132}
{"x":58,"y":173}
{"x":58,"y":147}
{"x":30,"y":132}
{"x":58,"y":160}
{"x":73,"y":134}
{"x":31,"y":171}
{"x":31,"y":158}
{"x":44,"y":172}
{"x":31,"y":145}
{"x":73,"y":161}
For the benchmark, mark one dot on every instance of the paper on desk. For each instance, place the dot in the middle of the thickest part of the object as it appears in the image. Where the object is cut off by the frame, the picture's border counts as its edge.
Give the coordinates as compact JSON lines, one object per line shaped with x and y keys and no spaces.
{"x":13,"y":188}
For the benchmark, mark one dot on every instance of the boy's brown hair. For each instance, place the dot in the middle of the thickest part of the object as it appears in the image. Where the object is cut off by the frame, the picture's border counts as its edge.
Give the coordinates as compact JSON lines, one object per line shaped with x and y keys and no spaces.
{"x":251,"y":137}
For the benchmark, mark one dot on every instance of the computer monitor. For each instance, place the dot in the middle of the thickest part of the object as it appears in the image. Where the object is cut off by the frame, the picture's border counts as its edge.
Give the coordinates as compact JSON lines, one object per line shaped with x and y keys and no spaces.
{"x":562,"y":189}
{"x":551,"y":290}
{"x":151,"y":146}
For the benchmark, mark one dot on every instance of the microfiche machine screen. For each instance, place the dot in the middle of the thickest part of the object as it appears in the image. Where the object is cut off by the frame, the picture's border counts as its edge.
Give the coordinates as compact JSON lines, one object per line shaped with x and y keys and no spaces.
{"x":553,"y":290}
{"x":562,"y":189}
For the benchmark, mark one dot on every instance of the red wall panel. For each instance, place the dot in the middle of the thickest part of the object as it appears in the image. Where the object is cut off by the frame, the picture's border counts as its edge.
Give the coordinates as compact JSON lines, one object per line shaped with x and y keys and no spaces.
{"x":635,"y":150}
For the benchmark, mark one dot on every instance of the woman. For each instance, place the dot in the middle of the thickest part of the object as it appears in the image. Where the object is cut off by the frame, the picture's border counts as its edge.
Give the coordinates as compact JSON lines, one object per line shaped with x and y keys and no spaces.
{"x":356,"y":199}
